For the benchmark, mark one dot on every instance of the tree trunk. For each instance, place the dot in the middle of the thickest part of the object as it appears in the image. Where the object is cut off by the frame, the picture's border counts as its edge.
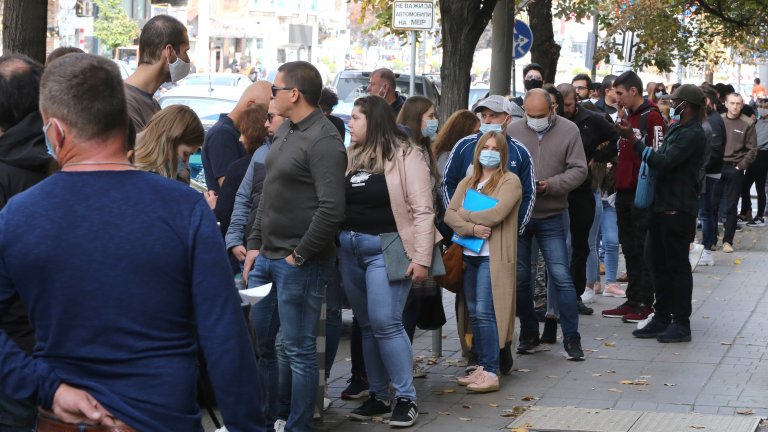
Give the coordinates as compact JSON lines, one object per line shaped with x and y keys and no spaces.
{"x":544,"y":50}
{"x":463,"y":22}
{"x":501,"y":53}
{"x":25,"y":24}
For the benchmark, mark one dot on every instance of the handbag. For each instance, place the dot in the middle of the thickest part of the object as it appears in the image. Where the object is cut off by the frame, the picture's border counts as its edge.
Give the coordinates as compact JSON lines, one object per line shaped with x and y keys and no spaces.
{"x":453,"y":261}
{"x":396,"y":259}
{"x":645,"y":182}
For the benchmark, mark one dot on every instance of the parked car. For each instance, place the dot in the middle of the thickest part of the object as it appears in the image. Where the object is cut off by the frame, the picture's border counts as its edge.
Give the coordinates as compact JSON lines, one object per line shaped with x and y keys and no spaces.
{"x":481,"y":91}
{"x":216,"y":80}
{"x":125,"y":69}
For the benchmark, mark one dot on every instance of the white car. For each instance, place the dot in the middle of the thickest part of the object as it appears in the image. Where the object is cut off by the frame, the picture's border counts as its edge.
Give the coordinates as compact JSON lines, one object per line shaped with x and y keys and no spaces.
{"x":216,"y":80}
{"x":207,"y":102}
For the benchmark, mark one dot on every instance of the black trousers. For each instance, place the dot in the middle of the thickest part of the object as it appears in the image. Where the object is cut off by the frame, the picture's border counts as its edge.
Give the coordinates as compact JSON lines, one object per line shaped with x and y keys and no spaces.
{"x":633,"y":229}
{"x":756,"y":174}
{"x":581,"y":211}
{"x":666,"y":251}
{"x":729,"y":187}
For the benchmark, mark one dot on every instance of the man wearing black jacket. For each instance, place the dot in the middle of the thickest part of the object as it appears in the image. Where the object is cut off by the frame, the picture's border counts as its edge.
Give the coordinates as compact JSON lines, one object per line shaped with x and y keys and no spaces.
{"x":24,"y":161}
{"x":599,"y":140}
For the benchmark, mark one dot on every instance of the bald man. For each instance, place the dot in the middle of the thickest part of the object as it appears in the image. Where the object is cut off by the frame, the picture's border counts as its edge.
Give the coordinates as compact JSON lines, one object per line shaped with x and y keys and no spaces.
{"x":560,"y":167}
{"x":222,"y":142}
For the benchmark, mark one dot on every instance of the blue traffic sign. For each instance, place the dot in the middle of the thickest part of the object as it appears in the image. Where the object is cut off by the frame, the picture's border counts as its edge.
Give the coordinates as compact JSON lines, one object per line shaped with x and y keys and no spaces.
{"x":523,"y":39}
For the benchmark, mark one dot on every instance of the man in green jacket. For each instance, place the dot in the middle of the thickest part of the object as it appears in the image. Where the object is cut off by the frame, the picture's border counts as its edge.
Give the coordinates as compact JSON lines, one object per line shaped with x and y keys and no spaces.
{"x":676,"y":166}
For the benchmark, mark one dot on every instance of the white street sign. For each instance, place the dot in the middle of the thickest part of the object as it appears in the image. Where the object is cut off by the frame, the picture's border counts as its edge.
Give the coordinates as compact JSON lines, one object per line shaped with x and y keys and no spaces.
{"x":413,"y":15}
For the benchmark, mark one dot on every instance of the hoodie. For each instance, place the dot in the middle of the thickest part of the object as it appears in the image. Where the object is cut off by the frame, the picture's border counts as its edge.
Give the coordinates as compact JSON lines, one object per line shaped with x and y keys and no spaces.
{"x":24,"y":158}
{"x":24,"y":161}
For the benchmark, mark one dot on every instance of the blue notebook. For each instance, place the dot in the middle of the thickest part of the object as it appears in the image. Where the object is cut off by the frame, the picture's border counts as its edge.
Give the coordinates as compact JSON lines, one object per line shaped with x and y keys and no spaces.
{"x":474,"y":201}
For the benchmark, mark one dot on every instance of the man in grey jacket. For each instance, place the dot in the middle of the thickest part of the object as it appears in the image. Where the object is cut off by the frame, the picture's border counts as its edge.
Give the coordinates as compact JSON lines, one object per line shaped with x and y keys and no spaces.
{"x":560,"y":166}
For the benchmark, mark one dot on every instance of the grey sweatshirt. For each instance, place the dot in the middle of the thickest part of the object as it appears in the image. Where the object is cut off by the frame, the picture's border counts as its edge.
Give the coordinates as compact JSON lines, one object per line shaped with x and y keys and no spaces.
{"x":242,"y":209}
{"x":558,"y":158}
{"x":302,"y":204}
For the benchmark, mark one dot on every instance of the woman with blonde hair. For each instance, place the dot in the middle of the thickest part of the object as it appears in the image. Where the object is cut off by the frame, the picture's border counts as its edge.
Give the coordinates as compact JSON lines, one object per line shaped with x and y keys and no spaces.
{"x":171,"y":136}
{"x":489,"y":280}
{"x":388,"y":194}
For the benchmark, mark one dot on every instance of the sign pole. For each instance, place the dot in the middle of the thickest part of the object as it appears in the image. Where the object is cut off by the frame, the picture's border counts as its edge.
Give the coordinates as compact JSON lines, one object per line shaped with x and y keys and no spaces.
{"x":412,"y":88}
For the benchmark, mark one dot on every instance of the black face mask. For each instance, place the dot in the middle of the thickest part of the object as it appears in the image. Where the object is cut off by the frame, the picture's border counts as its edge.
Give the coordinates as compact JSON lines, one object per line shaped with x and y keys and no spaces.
{"x":531,"y":84}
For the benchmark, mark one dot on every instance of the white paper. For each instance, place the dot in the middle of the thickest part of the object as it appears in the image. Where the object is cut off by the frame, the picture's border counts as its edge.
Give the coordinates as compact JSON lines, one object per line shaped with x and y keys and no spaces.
{"x":254,"y":295}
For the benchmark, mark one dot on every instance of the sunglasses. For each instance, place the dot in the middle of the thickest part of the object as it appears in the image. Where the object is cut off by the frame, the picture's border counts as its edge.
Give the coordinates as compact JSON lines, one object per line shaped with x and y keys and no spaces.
{"x":276,"y":89}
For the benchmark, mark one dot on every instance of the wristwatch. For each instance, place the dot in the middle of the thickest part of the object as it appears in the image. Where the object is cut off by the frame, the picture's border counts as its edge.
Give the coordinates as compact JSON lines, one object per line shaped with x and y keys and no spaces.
{"x":298,"y":259}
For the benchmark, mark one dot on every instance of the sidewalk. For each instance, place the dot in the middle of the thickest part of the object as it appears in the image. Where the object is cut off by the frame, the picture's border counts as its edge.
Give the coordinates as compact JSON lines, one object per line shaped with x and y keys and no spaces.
{"x":724,"y":370}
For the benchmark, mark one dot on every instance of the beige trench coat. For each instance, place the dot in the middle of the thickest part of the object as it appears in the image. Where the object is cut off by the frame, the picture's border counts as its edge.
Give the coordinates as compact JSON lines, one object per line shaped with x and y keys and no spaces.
{"x":502,"y":219}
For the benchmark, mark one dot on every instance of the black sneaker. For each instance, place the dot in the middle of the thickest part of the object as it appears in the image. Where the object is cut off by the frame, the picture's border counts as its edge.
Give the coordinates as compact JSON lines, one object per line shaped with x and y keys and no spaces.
{"x":506,"y":360}
{"x":756,"y":222}
{"x":528,"y":342}
{"x":371,"y":408}
{"x":357,"y":388}
{"x":573,"y":349}
{"x":652,"y":329}
{"x":675,"y":332}
{"x":584,"y":309}
{"x":549,"y":335}
{"x":405,"y":414}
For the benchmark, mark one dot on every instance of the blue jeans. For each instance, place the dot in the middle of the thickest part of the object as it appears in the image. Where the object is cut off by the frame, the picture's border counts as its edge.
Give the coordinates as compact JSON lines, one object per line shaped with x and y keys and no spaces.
{"x":300,"y":292}
{"x":265,"y":323}
{"x":609,"y":231}
{"x":551,"y":236}
{"x":378,"y":305}
{"x":552,"y":309}
{"x":479,"y":296}
{"x":593,"y":261}
{"x":334,"y":295}
{"x":707,"y":213}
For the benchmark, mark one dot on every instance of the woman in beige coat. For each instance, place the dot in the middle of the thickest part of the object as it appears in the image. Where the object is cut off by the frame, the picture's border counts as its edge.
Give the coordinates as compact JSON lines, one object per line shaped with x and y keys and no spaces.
{"x":489,"y":281}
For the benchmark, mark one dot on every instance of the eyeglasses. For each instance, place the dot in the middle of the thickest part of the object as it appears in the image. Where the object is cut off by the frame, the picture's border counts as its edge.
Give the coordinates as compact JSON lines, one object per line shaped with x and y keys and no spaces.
{"x":581,"y":88}
{"x":276,"y":89}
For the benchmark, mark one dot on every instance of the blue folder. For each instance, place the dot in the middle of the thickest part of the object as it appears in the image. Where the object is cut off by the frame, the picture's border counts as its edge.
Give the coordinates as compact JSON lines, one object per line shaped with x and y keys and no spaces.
{"x":474,"y":201}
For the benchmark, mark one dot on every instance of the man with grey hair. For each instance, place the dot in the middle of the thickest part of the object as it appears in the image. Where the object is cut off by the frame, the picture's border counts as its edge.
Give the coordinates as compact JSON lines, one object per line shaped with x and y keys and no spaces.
{"x":125,"y":276}
{"x":560,"y":166}
{"x":383,"y":83}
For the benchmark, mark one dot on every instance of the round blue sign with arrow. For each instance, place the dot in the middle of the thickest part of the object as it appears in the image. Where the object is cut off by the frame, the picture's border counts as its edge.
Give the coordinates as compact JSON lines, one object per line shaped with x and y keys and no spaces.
{"x":523,"y":39}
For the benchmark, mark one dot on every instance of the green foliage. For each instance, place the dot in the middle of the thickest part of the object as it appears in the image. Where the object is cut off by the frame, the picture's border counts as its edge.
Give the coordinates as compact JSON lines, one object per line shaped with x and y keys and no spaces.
{"x":113,"y":26}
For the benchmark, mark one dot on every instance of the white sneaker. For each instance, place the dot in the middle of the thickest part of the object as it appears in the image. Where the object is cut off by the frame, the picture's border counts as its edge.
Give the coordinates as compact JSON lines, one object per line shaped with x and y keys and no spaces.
{"x":694,"y":255}
{"x":279,"y":425}
{"x":645,"y":322}
{"x":223,"y":429}
{"x":706,"y":259}
{"x":327,"y":403}
{"x":588,"y":296}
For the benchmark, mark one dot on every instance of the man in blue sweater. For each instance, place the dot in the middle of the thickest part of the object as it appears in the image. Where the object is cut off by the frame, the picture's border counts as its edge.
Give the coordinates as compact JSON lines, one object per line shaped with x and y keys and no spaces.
{"x":125,"y":277}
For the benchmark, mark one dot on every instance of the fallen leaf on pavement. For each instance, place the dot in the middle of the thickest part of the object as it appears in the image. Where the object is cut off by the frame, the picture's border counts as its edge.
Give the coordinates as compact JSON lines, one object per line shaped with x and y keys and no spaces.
{"x":737,"y":261}
{"x":610,"y":371}
{"x":443,"y":413}
{"x":523,"y":370}
{"x":597,"y":374}
{"x":493,"y":405}
{"x":726,"y":343}
{"x":445,"y":391}
{"x":465,"y":419}
{"x":519,"y":429}
{"x":744,"y":411}
{"x":615,"y":390}
{"x":697,"y":427}
{"x":529,"y":398}
{"x":669,"y":384}
{"x":599,"y":339}
{"x":467,"y":406}
{"x":609,"y":344}
{"x":551,"y":376}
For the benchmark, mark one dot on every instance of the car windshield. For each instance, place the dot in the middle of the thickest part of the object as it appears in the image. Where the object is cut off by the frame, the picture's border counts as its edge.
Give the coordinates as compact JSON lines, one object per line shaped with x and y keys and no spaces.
{"x":475,"y":94}
{"x":214,"y":80}
{"x":350,"y":88}
{"x":203,"y":107}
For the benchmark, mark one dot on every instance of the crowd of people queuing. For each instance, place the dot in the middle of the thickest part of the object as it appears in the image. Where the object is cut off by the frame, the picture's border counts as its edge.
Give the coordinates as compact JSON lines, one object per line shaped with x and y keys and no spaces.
{"x":117,"y":285}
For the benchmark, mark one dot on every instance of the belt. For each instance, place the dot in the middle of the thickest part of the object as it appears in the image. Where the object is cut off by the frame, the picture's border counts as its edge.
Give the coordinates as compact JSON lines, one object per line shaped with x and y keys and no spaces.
{"x":45,"y":423}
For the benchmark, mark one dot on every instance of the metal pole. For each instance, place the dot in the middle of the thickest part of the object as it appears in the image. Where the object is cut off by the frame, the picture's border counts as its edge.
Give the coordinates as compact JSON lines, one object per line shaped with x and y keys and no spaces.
{"x":514,"y":76}
{"x":595,"y":34}
{"x":412,"y":88}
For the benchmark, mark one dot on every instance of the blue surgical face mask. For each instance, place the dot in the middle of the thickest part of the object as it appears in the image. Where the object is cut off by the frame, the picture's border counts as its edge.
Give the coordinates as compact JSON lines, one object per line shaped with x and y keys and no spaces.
{"x":431,"y":130}
{"x":489,"y":158}
{"x":674,"y":112}
{"x":48,"y":140}
{"x":490,"y":127}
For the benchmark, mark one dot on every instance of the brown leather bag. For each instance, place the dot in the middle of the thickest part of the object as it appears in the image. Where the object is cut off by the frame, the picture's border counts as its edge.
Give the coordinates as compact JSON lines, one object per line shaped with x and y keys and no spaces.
{"x":453,"y":279}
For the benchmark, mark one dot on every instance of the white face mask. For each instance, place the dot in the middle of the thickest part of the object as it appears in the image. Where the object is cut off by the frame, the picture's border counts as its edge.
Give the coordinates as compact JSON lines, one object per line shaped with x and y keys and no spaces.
{"x":179,"y":69}
{"x":538,"y":124}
